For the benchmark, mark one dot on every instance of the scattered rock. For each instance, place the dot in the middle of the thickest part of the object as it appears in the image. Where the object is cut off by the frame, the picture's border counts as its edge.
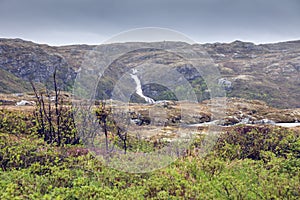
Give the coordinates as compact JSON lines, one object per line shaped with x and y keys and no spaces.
{"x":25,"y":103}
{"x":225,"y":83}
{"x":18,"y":94}
{"x":265,"y":121}
{"x":6,"y":102}
{"x":231,"y":120}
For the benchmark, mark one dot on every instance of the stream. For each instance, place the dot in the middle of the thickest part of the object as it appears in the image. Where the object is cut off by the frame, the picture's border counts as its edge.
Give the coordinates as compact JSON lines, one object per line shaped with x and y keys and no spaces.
{"x":138,"y":89}
{"x":289,"y":125}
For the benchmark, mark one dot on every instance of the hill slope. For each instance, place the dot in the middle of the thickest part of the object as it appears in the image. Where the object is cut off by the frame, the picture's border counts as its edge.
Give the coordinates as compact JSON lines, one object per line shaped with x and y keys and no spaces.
{"x":268,"y":72}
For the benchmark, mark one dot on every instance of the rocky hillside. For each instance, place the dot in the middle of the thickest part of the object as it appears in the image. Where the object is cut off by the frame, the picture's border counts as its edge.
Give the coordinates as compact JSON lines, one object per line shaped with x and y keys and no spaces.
{"x":268,"y":72}
{"x":28,"y":61}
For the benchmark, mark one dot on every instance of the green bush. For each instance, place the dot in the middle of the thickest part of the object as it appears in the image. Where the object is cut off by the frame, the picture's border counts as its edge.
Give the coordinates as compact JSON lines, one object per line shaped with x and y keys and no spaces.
{"x":15,"y":122}
{"x":18,"y":152}
{"x":247,"y":163}
{"x":251,"y":141}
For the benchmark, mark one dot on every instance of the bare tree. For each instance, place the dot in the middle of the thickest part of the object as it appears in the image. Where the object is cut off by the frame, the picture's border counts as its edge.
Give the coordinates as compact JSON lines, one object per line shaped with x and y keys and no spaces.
{"x":110,"y":126}
{"x":55,"y":122}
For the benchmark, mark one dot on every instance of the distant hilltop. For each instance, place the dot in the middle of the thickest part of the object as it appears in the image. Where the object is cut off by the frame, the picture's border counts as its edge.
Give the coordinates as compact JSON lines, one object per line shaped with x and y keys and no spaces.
{"x":268,"y":72}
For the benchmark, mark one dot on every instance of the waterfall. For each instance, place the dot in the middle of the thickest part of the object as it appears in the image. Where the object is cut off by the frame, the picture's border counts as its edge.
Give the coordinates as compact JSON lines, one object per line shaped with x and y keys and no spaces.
{"x":138,"y":88}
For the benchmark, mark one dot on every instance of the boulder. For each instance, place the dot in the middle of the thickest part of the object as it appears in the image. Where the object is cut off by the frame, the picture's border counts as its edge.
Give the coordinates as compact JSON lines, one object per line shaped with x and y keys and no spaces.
{"x":25,"y":103}
{"x":264,"y":121}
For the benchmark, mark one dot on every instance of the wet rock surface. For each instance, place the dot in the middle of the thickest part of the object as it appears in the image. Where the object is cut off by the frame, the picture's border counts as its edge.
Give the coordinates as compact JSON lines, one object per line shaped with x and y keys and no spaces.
{"x":237,"y":111}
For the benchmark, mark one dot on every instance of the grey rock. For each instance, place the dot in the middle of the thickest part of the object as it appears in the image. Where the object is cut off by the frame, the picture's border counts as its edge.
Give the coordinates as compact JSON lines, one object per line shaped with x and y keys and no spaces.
{"x":264,"y":121}
{"x":226,"y":84}
{"x":25,"y":103}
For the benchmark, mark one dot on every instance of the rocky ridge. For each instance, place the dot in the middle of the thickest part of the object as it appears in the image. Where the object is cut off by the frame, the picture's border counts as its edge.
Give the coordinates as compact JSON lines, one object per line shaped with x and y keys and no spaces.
{"x":267,"y":72}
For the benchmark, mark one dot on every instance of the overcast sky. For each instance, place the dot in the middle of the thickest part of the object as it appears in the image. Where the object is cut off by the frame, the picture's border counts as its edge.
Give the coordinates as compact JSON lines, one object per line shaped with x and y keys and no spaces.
{"x":58,"y":22}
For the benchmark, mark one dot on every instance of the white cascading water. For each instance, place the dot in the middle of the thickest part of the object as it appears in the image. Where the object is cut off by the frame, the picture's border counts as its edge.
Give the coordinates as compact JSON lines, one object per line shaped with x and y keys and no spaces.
{"x":138,"y":89}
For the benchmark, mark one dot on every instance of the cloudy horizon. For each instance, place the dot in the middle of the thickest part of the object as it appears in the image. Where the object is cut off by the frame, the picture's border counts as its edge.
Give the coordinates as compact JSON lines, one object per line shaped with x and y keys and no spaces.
{"x":93,"y":22}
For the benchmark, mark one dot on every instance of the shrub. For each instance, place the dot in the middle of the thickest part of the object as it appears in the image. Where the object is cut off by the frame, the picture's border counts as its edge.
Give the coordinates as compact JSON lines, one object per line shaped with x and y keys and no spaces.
{"x":251,"y":141}
{"x":15,"y":122}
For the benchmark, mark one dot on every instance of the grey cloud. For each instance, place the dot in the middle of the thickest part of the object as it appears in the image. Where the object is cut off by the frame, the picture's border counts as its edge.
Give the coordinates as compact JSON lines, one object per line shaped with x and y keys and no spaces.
{"x":204,"y":20}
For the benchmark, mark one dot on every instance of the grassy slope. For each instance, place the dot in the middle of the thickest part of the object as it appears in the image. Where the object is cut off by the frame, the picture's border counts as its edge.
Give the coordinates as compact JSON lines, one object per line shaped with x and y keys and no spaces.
{"x":11,"y":84}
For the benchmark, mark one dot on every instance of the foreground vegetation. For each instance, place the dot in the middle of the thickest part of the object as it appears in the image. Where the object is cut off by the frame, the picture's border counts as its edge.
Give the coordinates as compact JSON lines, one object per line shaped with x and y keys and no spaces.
{"x":246,"y":163}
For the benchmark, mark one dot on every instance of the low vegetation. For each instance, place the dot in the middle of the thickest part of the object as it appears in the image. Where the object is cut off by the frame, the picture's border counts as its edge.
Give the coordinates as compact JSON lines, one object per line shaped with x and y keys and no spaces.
{"x":247,"y":162}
